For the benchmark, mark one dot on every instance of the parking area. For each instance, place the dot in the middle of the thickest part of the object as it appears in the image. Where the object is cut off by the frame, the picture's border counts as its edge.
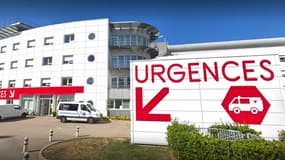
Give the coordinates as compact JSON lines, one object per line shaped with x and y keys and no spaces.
{"x":12,"y":133}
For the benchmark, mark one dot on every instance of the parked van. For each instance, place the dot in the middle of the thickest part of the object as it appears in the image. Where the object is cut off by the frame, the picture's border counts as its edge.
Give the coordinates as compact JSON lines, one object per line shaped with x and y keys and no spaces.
{"x":252,"y":104}
{"x":12,"y":111}
{"x":77,"y":111}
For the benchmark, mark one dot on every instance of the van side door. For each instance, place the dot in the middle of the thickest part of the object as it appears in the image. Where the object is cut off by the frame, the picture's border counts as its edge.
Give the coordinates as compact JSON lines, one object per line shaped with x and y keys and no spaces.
{"x":85,"y":112}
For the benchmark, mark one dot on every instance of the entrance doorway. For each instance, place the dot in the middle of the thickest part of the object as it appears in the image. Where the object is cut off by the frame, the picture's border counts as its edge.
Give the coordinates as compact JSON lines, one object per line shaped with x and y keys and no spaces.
{"x":28,"y":103}
{"x":45,"y":105}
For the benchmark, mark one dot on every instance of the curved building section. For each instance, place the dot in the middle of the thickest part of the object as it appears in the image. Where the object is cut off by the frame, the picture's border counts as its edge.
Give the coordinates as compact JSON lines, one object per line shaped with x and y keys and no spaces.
{"x":128,"y":41}
{"x":75,"y":61}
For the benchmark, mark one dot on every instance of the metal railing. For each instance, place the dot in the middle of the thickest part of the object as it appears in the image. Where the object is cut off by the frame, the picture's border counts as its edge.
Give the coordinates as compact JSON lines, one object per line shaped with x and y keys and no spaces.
{"x":226,"y":134}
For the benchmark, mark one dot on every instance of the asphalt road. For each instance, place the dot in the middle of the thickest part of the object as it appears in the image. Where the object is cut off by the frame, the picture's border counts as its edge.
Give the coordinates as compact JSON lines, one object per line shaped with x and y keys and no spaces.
{"x":13,"y":131}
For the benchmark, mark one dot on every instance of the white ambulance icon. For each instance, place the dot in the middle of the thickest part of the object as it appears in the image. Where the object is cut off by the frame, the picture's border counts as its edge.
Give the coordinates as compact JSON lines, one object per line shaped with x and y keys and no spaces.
{"x":252,"y":104}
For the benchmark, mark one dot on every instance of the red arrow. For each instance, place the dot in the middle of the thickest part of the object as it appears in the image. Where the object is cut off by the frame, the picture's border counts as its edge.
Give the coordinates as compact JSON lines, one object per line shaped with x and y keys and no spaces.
{"x":142,"y":113}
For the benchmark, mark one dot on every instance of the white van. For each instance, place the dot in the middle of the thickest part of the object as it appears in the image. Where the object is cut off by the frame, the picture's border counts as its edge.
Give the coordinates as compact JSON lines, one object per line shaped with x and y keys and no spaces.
{"x":252,"y":104}
{"x":77,"y":111}
{"x":12,"y":111}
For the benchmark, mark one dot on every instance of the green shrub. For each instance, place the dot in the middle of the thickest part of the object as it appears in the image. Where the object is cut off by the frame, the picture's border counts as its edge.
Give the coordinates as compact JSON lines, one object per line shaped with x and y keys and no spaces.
{"x":281,"y":136}
{"x":188,"y":144}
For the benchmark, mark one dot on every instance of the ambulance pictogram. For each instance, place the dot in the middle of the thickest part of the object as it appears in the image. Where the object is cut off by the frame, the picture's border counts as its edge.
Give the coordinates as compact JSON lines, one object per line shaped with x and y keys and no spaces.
{"x":252,"y":104}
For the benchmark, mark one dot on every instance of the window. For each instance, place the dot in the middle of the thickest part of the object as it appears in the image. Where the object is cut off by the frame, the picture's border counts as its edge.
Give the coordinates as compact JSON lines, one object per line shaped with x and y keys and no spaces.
{"x":68,"y":38}
{"x":31,"y":43}
{"x":11,"y":83}
{"x":47,"y":61}
{"x":91,"y":58}
{"x":244,"y":101}
{"x":120,"y":82}
{"x":282,"y":58}
{"x":2,"y":66}
{"x":123,"y":61}
{"x":16,"y":46}
{"x":66,"y":81}
{"x":48,"y":41}
{"x":68,"y":107}
{"x":84,"y":107}
{"x":13,"y":65}
{"x":29,"y":63}
{"x":45,"y":82}
{"x":91,"y":36}
{"x":27,"y":82}
{"x":9,"y":102}
{"x":3,"y":49}
{"x":0,"y":84}
{"x":119,"y":104}
{"x":90,"y":80}
{"x":68,"y":59}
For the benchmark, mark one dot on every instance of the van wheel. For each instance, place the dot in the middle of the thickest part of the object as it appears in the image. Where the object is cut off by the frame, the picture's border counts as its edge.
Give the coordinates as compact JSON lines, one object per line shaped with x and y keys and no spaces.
{"x":62,"y":119}
{"x":90,"y":120}
{"x":254,"y":110}
{"x":236,"y":110}
{"x":23,"y":115}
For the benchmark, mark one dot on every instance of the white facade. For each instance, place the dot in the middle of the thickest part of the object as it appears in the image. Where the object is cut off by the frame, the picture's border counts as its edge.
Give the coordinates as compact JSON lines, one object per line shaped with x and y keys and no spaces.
{"x":73,"y":60}
{"x":192,"y":86}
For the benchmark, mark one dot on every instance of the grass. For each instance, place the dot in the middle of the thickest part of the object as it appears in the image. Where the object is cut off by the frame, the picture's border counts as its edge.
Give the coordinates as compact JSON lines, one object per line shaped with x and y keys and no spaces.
{"x":105,"y":149}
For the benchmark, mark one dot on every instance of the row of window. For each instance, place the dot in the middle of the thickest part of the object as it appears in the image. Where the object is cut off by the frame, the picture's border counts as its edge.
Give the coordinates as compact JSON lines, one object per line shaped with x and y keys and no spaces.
{"x":123,"y":61}
{"x":129,"y":40}
{"x":47,"y":41}
{"x":45,"y":82}
{"x":121,"y":82}
{"x":66,"y":59}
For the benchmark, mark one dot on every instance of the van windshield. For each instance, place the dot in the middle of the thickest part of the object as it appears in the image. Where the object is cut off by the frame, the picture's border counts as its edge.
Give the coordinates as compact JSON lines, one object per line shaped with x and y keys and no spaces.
{"x":91,"y":107}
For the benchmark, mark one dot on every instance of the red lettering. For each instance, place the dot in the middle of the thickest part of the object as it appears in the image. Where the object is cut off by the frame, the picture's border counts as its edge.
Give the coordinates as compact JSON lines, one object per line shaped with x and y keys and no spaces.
{"x":224,"y":71}
{"x":214,"y":74}
{"x":181,"y":73}
{"x":271,"y":73}
{"x":191,"y":72}
{"x":158,"y":73}
{"x":246,"y":70}
{"x":137,"y":76}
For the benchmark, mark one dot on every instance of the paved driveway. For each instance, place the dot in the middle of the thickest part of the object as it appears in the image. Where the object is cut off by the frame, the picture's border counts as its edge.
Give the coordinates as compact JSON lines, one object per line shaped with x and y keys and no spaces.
{"x":12,"y":133}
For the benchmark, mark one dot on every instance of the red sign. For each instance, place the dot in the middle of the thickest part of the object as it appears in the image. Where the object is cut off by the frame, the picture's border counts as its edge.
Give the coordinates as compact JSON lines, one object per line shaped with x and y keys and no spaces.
{"x":15,"y":93}
{"x":142,"y":112}
{"x":245,"y":104}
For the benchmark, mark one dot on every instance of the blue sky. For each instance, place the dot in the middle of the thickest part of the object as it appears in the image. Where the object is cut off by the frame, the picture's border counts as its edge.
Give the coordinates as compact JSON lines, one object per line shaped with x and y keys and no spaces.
{"x":181,"y":21}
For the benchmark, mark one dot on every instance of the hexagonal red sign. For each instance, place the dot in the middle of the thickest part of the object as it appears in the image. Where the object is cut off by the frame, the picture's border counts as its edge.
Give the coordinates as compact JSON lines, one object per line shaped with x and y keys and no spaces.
{"x":245,"y":104}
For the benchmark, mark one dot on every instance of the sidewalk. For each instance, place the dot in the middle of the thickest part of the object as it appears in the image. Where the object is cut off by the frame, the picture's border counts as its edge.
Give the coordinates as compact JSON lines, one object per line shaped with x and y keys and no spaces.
{"x":12,"y":133}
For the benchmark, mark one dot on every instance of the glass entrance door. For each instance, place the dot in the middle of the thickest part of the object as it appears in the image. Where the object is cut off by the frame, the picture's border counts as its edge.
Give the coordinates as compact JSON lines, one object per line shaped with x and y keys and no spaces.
{"x":45,"y":105}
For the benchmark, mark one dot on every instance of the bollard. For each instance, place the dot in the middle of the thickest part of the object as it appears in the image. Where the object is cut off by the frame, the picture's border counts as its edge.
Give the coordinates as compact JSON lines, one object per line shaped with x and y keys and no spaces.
{"x":26,"y":156}
{"x":50,"y":135}
{"x":25,"y":146}
{"x":77,"y":132}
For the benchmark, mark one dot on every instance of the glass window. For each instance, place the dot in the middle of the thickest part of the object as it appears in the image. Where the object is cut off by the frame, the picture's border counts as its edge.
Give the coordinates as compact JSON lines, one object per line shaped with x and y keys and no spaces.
{"x":121,"y":40}
{"x":31,"y":43}
{"x":282,"y":58}
{"x":68,"y":59}
{"x":121,"y":82}
{"x":91,"y":58}
{"x":84,"y":107}
{"x":11,"y":83}
{"x":134,"y":40}
{"x":121,"y":61}
{"x":9,"y":102}
{"x":0,"y":84}
{"x":29,"y":63}
{"x":128,"y":40}
{"x":27,"y":82}
{"x":114,"y":82}
{"x":90,"y":80}
{"x":47,"y":61}
{"x":48,"y":41}
{"x":45,"y":82}
{"x":68,"y":38}
{"x":66,"y":81}
{"x":68,"y":107}
{"x":126,"y":104}
{"x":3,"y":49}
{"x":115,"y":62}
{"x":13,"y":65}
{"x":91,"y":36}
{"x":2,"y":66}
{"x":118,"y":104}
{"x":115,"y":41}
{"x":16,"y":46}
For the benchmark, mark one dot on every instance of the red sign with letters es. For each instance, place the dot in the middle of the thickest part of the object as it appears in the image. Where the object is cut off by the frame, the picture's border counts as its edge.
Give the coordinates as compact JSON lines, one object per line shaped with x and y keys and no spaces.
{"x":15,"y":93}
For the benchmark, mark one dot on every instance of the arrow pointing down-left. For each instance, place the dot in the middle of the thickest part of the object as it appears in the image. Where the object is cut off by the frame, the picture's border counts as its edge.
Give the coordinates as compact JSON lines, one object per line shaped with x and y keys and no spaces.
{"x":142,"y":113}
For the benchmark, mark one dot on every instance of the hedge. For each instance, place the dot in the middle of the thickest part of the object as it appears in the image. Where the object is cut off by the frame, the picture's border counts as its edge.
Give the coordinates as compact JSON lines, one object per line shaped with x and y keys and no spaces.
{"x":188,"y":144}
